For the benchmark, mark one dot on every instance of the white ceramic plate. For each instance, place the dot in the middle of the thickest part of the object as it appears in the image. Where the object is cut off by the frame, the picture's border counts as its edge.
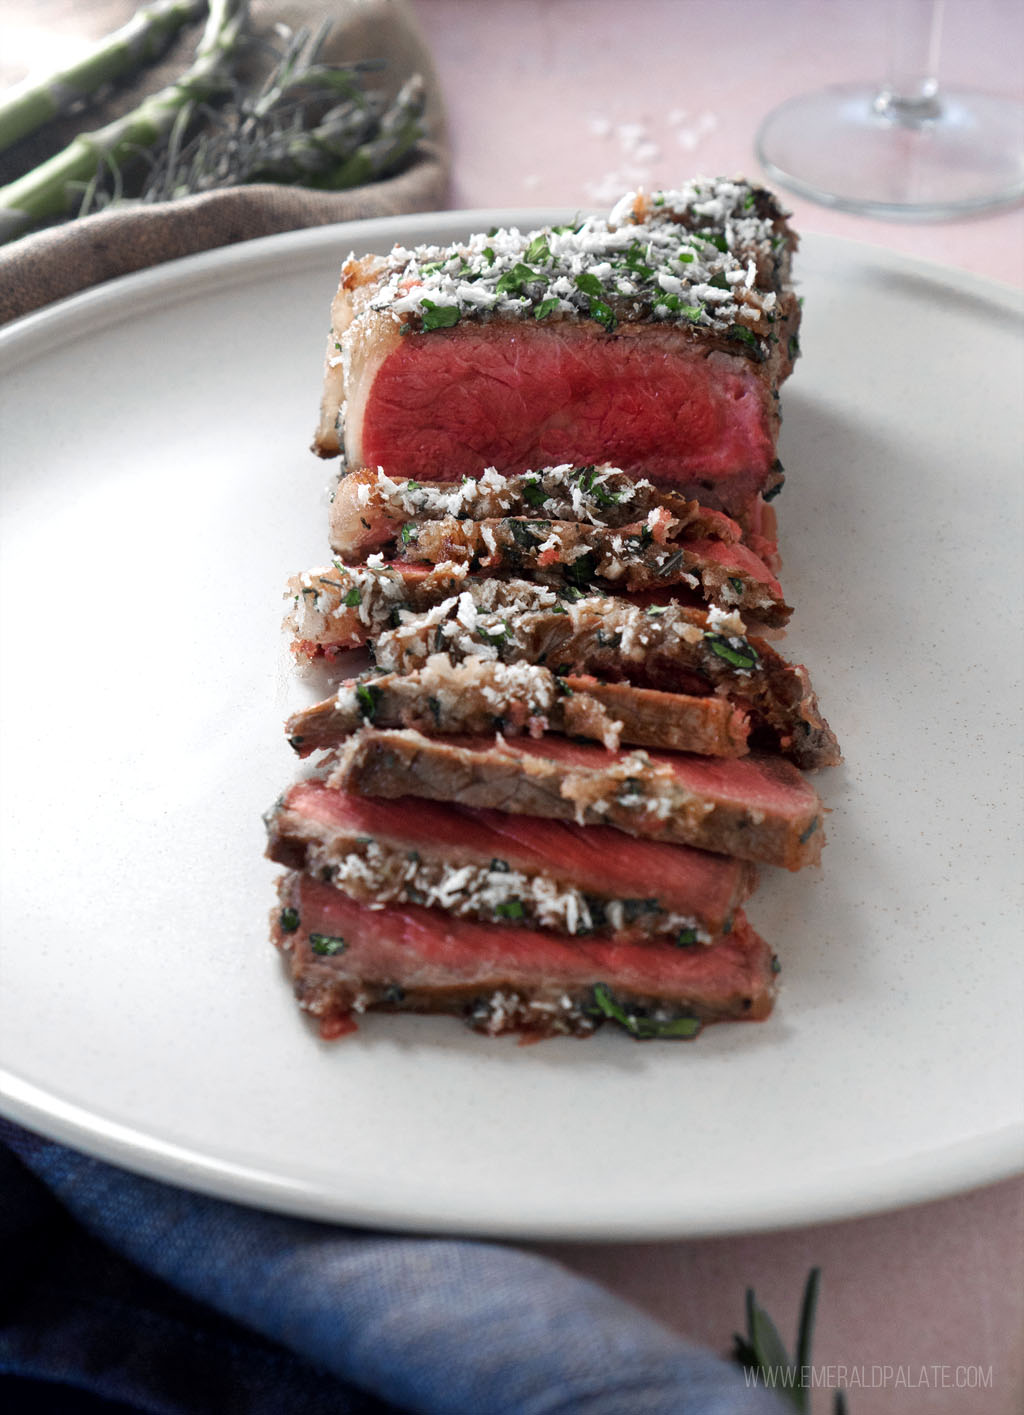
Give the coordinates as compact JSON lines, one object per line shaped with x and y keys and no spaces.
{"x":157,"y":491}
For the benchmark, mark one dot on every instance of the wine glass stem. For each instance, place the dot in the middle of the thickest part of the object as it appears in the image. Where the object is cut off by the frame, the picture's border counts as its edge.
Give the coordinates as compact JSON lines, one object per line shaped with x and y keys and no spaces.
{"x":909,"y":94}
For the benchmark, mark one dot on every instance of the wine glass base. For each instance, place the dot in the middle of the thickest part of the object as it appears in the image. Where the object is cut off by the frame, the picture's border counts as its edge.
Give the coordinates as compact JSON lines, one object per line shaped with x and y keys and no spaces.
{"x":845,"y":148}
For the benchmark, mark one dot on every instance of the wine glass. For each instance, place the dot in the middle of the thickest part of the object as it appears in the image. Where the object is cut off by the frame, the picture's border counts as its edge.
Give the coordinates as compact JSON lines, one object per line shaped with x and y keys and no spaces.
{"x":906,"y":148}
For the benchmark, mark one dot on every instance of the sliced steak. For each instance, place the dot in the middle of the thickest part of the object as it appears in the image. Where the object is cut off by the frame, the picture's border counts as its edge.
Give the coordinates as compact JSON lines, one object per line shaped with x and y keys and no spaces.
{"x":478,"y":696}
{"x":370,"y":509}
{"x":754,"y":808}
{"x":670,"y":647}
{"x":506,"y":869}
{"x":344,"y":606}
{"x":632,"y":557}
{"x":656,"y":340}
{"x":346,"y":958}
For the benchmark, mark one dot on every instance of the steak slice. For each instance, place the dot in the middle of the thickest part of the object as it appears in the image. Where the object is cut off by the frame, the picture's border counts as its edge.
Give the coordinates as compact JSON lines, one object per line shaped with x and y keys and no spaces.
{"x":478,"y":696}
{"x":370,"y":509}
{"x":656,"y":340}
{"x":671,"y":647}
{"x":346,"y":958}
{"x":341,"y":607}
{"x":505,"y":869}
{"x":632,"y":557}
{"x":344,"y":606}
{"x":754,"y":808}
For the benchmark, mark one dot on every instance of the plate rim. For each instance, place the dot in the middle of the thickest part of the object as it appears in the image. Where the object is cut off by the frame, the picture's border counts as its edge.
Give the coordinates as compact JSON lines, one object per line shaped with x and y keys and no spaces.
{"x":865,"y":1192}
{"x":870,"y":1189}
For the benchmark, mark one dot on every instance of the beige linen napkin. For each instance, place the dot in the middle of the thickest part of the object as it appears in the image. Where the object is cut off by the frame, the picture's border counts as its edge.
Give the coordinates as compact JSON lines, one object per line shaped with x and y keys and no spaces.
{"x":50,"y":264}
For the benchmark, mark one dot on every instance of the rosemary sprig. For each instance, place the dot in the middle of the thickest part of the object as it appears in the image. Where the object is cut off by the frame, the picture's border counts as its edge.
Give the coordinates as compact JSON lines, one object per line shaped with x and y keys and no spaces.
{"x":762,"y":1351}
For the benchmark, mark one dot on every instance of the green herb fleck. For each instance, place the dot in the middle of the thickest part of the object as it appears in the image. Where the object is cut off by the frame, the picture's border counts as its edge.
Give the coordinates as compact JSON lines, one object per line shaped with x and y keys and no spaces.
{"x":368,"y":697}
{"x":589,"y":284}
{"x":686,"y":938}
{"x":736,"y":583}
{"x":740,"y":655}
{"x":604,"y":314}
{"x":533,"y":493}
{"x":289,"y":920}
{"x":512,"y":282}
{"x":408,"y":532}
{"x":500,"y":867}
{"x":742,"y":335}
{"x":546,"y":307}
{"x":644,"y":1028}
{"x":439,"y":316}
{"x":539,"y":250}
{"x":327,"y":945}
{"x":511,"y":909}
{"x":806,"y":835}
{"x":352,"y":598}
{"x":582,"y":571}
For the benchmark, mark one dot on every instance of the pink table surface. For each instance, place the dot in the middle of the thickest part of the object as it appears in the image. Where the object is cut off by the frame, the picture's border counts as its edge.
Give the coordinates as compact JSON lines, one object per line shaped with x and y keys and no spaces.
{"x":567,"y":103}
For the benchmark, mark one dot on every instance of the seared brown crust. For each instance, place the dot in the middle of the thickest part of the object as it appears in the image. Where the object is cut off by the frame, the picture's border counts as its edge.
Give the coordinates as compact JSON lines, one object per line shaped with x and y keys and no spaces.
{"x":689,"y":800}
{"x":370,"y":509}
{"x":480,"y":696}
{"x":345,"y":959}
{"x":670,"y":648}
{"x":723,"y":572}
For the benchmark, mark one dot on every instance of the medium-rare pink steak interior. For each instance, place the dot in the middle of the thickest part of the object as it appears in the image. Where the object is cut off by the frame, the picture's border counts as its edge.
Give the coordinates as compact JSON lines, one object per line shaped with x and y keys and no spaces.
{"x":542,"y":806}
{"x":346,"y":958}
{"x":547,"y":873}
{"x":655,"y":339}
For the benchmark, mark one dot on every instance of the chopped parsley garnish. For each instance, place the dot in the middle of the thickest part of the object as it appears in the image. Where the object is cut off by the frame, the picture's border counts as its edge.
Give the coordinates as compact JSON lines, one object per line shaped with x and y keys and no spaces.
{"x":511,"y":909}
{"x":638,"y":1025}
{"x":739,"y":654}
{"x":327,"y":945}
{"x":533,"y":493}
{"x":589,"y":284}
{"x":352,"y":598}
{"x":604,"y":314}
{"x":539,"y":250}
{"x":500,"y":867}
{"x":439,"y":316}
{"x":736,"y":583}
{"x":546,"y":307}
{"x":581,"y":571}
{"x":742,"y":335}
{"x":368,"y":697}
{"x":512,"y":282}
{"x":408,"y":532}
{"x":289,"y":920}
{"x":686,"y":938}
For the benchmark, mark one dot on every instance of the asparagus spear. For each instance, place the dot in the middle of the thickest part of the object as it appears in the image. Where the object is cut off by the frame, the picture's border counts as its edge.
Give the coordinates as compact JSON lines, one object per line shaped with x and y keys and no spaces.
{"x":50,"y":189}
{"x":29,"y":105}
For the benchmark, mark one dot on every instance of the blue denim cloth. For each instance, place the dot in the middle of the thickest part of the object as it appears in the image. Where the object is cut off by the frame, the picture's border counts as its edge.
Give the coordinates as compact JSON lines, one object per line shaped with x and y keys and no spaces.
{"x":177,"y":1304}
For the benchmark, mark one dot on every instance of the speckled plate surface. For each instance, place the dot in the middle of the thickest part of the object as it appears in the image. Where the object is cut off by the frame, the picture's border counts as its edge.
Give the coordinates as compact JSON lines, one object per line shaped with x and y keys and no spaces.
{"x":157,"y":492}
